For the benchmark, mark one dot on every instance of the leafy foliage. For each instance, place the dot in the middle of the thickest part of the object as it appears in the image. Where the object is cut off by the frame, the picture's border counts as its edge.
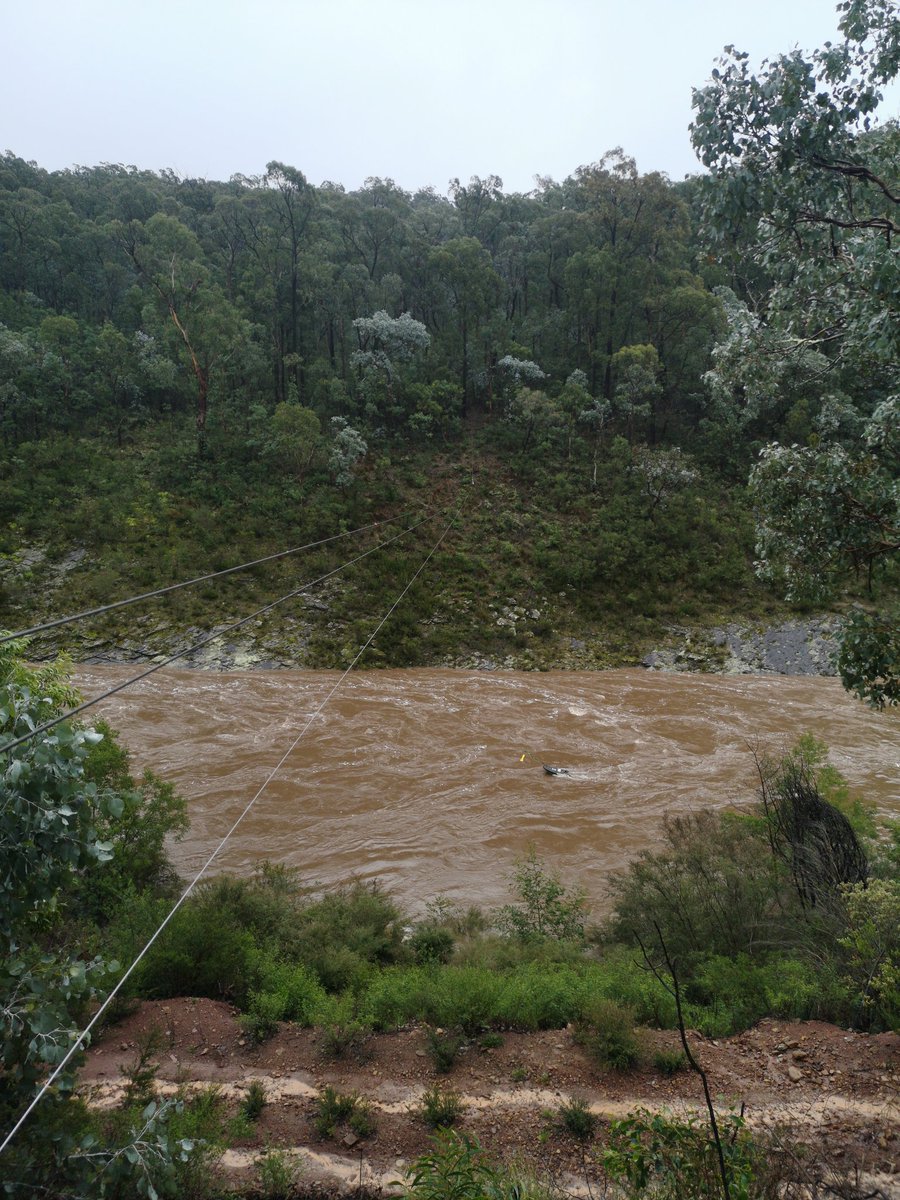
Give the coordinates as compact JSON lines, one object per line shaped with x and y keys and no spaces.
{"x":441,"y":1107}
{"x":658,"y":1155}
{"x":576,"y":1118}
{"x":807,"y":183}
{"x":547,"y":908}
{"x":51,"y":816}
{"x":606,"y":1031}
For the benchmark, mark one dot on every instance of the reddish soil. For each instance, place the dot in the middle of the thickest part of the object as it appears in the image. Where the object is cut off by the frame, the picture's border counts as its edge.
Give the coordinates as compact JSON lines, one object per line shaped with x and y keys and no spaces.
{"x":833,"y":1091}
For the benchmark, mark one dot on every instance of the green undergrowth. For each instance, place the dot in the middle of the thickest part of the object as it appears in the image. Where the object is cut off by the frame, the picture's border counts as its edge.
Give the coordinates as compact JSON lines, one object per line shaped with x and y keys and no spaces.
{"x":576,"y":558}
{"x":755,"y":914}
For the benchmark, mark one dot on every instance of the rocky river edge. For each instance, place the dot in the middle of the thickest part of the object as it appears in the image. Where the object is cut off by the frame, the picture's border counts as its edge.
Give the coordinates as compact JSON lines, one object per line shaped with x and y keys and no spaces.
{"x":533,"y":634}
{"x":790,"y":647}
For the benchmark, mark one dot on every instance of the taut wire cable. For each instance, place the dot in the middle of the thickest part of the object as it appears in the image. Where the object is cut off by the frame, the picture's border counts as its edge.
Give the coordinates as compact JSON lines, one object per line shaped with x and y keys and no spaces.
{"x":174,"y":587}
{"x":77,"y":1044}
{"x":73,"y":712}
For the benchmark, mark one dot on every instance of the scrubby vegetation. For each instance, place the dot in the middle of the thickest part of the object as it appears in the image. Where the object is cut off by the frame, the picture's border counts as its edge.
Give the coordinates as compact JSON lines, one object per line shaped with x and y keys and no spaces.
{"x":787,"y":907}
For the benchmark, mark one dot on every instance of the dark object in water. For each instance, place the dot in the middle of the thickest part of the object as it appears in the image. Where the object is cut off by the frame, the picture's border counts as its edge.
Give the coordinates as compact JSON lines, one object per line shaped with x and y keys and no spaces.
{"x":555,"y":770}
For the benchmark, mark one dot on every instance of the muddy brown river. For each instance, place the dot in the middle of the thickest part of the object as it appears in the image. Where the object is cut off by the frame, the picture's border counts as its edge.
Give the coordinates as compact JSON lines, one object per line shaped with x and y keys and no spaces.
{"x":416,"y":777}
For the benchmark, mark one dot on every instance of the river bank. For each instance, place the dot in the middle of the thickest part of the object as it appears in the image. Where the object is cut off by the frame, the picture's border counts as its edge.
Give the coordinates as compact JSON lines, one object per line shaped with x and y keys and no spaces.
{"x":835,"y":1091}
{"x":523,"y":632}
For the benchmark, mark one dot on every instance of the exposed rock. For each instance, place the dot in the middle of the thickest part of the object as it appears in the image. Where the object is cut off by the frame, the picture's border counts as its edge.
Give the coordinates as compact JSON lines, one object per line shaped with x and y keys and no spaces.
{"x":791,"y":648}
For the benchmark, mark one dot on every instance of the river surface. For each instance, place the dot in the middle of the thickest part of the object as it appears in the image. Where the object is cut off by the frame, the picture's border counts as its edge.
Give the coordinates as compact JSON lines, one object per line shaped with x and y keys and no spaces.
{"x":416,"y":777}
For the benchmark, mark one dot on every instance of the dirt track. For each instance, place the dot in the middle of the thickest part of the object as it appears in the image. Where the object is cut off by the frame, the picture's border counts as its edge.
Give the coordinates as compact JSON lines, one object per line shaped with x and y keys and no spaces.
{"x":832,"y":1090}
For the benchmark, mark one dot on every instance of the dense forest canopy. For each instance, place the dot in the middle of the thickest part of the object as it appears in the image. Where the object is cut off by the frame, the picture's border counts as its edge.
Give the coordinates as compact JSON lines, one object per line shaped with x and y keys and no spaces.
{"x":152,"y":293}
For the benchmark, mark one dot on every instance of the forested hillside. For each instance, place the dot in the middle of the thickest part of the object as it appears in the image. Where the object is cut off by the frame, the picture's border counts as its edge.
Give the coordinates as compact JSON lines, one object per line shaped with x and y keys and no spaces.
{"x":193,"y":373}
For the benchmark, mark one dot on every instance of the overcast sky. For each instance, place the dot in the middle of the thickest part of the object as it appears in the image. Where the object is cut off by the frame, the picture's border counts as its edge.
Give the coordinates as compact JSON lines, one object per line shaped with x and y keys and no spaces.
{"x":417,"y":90}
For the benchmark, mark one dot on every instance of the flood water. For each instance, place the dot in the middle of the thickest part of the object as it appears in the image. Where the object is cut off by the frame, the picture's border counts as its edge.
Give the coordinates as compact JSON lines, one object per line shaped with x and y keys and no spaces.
{"x":416,"y":777}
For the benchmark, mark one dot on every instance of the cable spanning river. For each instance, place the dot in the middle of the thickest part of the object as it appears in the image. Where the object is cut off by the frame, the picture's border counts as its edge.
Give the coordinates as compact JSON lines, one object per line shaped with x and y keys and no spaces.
{"x":416,"y":777}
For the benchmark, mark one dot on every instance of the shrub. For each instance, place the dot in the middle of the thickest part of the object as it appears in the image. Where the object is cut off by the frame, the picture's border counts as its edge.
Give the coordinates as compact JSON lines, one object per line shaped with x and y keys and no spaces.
{"x":490,"y":1041}
{"x":547,"y":908}
{"x":713,"y":889}
{"x":200,"y":953}
{"x":652,"y":1154}
{"x":334,"y":1109}
{"x":441,"y":1107}
{"x":617,"y":977}
{"x":344,"y":933}
{"x":288,"y":991}
{"x":202,"y":1122}
{"x":140,"y":1088}
{"x":575,"y":1118}
{"x":730,"y":994}
{"x":261,"y":1022}
{"x":607,"y":1034}
{"x":255,"y":1100}
{"x":279,"y":1172}
{"x":464,"y":997}
{"x":669,"y":1062}
{"x":432,"y":944}
{"x":537,"y":997}
{"x":443,"y":1049}
{"x":457,"y":1169}
{"x":872,"y":942}
{"x":343,"y":1037}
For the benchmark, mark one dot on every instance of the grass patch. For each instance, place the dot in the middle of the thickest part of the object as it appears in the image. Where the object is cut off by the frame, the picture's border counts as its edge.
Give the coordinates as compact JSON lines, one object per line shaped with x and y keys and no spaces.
{"x":441,"y":1107}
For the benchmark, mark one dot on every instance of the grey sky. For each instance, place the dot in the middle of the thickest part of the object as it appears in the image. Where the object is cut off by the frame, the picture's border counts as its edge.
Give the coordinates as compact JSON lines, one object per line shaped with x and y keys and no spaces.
{"x":418,"y":90}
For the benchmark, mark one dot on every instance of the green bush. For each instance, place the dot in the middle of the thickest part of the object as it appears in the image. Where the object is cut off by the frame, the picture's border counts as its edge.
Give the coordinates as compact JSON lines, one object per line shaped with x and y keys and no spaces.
{"x":669,"y":1062}
{"x":457,"y":1169}
{"x":443,"y":1049}
{"x":290,"y":989}
{"x":347,"y":1036}
{"x":731,"y":994}
{"x":667,"y":1158}
{"x":279,"y":1173}
{"x":574,"y":1117}
{"x":346,"y":932}
{"x":714,"y":888}
{"x":441,"y":1107}
{"x":490,"y":1041}
{"x":606,"y":1032}
{"x":255,"y":1100}
{"x":200,"y":954}
{"x":620,"y":977}
{"x":546,"y":909}
{"x":432,"y":944}
{"x":538,"y":997}
{"x":336,"y":1109}
{"x":872,"y":945}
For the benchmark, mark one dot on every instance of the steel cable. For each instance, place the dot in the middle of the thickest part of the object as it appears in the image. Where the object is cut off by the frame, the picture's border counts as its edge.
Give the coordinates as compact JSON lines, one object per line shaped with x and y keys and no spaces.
{"x":174,"y":587}
{"x":73,"y":712}
{"x":77,"y":1044}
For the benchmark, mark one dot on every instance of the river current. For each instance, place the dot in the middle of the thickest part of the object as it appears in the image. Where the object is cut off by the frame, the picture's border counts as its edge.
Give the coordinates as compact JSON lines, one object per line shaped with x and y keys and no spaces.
{"x":417,"y":777}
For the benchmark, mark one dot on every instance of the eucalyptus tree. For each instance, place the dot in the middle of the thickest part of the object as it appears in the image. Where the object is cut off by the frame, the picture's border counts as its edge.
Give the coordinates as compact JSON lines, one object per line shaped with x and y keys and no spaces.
{"x":372,"y":222}
{"x":481,"y":206}
{"x":52,"y":820}
{"x":288,"y":233}
{"x":464,"y":272}
{"x":801,"y":170}
{"x":192,"y":310}
{"x":385,"y":344}
{"x":631,"y":234}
